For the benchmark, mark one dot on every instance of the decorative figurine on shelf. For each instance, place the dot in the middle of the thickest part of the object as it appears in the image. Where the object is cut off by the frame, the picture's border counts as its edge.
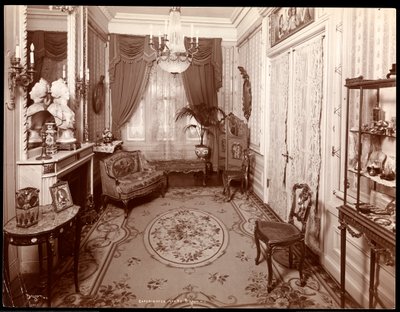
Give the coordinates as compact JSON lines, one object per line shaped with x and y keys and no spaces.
{"x":43,"y":155}
{"x":51,"y":146}
{"x":107,"y":136}
{"x":27,"y":207}
{"x":64,"y":116}
{"x":37,"y":114}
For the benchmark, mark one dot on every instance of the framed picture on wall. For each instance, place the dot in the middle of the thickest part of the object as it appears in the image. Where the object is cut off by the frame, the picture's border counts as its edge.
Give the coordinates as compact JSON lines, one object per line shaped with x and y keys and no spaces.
{"x":284,"y":22}
{"x":61,"y":196}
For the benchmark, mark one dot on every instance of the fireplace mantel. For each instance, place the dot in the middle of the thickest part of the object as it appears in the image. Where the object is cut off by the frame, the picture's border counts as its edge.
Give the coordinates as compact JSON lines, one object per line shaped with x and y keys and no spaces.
{"x":42,"y":174}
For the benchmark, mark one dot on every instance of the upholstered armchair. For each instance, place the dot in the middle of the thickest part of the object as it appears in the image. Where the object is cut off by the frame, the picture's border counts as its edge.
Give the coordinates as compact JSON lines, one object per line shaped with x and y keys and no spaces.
{"x":126,"y":175}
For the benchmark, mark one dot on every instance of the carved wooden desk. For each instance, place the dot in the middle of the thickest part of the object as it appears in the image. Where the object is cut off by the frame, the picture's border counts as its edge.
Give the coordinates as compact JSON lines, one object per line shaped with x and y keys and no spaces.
{"x":379,"y":231}
{"x":50,"y":226}
{"x":182,"y":165}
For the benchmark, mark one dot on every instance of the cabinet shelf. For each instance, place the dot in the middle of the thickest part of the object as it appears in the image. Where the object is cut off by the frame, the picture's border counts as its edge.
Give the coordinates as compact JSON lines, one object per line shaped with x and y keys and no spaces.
{"x":376,"y":179}
{"x":373,"y":134}
{"x":361,"y":83}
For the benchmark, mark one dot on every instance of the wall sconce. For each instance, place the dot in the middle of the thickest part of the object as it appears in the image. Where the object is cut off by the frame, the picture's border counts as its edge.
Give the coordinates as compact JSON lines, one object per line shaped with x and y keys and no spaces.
{"x":18,"y":76}
{"x":82,"y":83}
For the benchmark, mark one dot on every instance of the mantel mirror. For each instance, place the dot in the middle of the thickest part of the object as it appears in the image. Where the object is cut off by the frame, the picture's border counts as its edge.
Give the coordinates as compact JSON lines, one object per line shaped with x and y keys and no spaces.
{"x":53,"y":32}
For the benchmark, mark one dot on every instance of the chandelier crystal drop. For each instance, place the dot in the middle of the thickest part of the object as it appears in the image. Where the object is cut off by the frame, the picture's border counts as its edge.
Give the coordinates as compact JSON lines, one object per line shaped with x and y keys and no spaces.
{"x":171,"y":54}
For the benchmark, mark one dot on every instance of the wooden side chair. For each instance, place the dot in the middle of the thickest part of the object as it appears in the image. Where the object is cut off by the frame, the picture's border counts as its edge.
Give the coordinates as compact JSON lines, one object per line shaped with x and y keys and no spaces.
{"x":238,"y":174}
{"x":286,"y":234}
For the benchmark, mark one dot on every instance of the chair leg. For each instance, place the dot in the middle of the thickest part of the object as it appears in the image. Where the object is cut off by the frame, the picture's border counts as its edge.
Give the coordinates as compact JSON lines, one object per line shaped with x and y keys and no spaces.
{"x":104,"y":200}
{"x":246,"y":187}
{"x":163,"y":189}
{"x":224,"y":184}
{"x":290,"y":257}
{"x":257,"y":241}
{"x":126,"y":207}
{"x":269,"y":264}
{"x":302,"y":255}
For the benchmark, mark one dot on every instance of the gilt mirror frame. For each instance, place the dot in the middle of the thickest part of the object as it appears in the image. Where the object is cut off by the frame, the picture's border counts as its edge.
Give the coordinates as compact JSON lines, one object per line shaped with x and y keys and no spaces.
{"x":27,"y":13}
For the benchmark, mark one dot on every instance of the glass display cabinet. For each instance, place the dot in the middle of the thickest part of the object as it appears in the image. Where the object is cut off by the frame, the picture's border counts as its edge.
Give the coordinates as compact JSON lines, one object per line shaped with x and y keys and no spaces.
{"x":369,"y":207}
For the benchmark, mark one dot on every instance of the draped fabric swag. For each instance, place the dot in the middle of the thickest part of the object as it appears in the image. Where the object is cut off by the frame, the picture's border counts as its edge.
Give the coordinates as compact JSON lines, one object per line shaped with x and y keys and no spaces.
{"x":131,"y":59}
{"x":50,"y":54}
{"x":203,"y":78}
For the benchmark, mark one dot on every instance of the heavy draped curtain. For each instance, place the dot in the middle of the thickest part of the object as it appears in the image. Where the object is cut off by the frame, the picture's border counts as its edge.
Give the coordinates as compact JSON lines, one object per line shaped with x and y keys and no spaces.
{"x":50,"y":49}
{"x":131,"y":59}
{"x":203,"y":78}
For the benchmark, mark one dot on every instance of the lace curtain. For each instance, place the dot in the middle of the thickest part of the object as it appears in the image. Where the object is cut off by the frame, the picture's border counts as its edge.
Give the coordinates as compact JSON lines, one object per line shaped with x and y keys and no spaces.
{"x":305,"y":143}
{"x":295,"y":130}
{"x":278,"y":134}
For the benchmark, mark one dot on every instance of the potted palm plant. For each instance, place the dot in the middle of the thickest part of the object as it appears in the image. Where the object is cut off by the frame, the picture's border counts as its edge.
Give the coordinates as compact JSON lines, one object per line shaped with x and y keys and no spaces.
{"x":207,"y":122}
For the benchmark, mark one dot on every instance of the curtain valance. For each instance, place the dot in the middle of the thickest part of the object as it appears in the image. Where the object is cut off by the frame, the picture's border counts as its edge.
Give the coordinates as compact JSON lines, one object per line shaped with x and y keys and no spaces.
{"x":210,"y":52}
{"x":51,"y":44}
{"x":129,"y":49}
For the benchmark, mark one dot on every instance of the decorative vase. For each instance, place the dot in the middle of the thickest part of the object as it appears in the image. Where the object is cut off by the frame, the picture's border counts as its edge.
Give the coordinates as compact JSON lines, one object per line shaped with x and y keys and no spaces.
{"x":202,"y":151}
{"x":107,"y":136}
{"x":27,"y":207}
{"x":51,"y":145}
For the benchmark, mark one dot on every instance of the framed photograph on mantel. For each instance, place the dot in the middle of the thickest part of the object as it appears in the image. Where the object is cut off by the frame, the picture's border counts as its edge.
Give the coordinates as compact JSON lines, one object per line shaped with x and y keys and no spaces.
{"x":284,"y":22}
{"x":61,"y":196}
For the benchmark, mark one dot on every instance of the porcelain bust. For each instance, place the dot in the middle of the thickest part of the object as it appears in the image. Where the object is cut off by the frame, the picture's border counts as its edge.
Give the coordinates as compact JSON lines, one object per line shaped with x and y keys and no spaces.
{"x":36,"y":112}
{"x":63,"y":114}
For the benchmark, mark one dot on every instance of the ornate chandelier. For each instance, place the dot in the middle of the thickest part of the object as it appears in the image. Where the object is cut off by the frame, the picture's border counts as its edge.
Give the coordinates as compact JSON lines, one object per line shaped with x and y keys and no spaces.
{"x":171,"y":53}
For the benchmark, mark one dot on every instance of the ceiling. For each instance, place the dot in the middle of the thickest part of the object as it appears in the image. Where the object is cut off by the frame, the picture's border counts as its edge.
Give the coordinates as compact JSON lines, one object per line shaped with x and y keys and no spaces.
{"x":187,"y":11}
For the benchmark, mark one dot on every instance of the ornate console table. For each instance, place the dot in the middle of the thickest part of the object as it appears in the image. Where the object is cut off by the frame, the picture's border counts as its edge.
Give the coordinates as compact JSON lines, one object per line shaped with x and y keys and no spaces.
{"x":182,"y":165}
{"x":379,"y":231}
{"x":49,"y":227}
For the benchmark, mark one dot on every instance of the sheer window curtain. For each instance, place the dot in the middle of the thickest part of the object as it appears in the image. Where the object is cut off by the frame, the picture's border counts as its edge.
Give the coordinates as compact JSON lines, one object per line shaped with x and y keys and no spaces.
{"x":152,"y":127}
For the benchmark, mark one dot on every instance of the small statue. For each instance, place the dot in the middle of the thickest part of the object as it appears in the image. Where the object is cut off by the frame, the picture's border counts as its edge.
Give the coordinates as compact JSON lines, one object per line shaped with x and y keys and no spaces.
{"x":63,"y":114}
{"x":37,"y":114}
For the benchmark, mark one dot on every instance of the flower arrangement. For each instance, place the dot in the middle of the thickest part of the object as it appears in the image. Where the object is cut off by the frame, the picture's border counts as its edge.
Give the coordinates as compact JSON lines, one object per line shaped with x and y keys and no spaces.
{"x":107,"y":136}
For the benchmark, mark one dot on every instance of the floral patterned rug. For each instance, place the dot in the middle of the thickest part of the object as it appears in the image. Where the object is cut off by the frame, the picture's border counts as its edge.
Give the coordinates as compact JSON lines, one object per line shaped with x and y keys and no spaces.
{"x":189,"y":249}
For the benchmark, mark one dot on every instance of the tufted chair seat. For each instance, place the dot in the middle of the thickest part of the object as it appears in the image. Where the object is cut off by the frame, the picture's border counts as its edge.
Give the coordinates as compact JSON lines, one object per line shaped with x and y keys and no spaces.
{"x":126,"y":175}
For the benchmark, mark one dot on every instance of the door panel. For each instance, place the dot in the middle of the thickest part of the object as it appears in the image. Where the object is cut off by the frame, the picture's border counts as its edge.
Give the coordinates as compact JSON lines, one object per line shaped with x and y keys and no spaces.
{"x":277,"y":197}
{"x":295,"y":144}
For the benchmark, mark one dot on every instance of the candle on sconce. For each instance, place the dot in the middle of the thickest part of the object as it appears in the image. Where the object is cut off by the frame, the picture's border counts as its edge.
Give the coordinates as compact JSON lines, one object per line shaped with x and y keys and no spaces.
{"x":63,"y":72}
{"x":165,"y":27}
{"x":151,"y":32}
{"x":17,"y":53}
{"x":32,"y":57}
{"x":81,"y":73}
{"x":197,"y":37}
{"x":159,"y":39}
{"x":87,"y":74}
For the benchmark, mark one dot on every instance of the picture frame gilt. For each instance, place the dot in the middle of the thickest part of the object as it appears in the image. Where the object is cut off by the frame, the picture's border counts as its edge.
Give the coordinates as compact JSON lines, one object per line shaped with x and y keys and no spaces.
{"x":285,"y":21}
{"x":61,"y":195}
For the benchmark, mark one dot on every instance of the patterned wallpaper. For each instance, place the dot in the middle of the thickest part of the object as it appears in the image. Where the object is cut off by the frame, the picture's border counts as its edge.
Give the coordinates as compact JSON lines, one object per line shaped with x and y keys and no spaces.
{"x":97,"y":66}
{"x":249,"y":59}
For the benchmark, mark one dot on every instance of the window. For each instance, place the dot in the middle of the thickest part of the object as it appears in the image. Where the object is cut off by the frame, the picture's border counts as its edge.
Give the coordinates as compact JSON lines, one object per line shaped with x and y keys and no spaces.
{"x":152,"y":127}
